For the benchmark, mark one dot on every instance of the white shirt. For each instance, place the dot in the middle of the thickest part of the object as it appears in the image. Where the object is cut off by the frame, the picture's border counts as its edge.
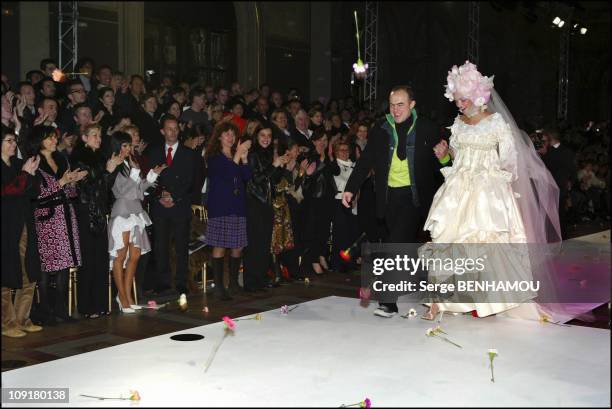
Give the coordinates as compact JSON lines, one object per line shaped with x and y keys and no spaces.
{"x":174,"y":147}
{"x":307,"y":134}
{"x":556,"y":145}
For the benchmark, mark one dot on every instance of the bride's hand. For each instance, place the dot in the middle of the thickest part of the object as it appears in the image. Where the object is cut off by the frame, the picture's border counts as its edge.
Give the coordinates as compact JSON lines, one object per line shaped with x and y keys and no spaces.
{"x":441,"y":149}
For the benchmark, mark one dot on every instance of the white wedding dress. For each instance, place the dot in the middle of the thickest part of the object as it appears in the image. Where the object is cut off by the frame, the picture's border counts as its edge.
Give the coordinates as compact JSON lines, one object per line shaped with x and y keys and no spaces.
{"x":476,"y":204}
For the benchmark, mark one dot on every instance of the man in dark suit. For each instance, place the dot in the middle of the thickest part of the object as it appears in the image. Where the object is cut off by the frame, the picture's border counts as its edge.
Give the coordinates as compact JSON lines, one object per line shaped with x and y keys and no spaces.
{"x":171,"y":208}
{"x":400,"y":150}
{"x":561,"y":163}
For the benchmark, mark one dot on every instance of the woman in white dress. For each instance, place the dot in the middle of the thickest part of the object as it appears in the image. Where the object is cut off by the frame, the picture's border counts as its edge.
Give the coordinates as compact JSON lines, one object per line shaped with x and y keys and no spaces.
{"x":127,"y":237}
{"x":478,"y":202}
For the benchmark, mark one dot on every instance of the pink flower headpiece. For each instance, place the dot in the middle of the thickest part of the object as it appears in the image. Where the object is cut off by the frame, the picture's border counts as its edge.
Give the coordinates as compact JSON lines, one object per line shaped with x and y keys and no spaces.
{"x":469,"y":83}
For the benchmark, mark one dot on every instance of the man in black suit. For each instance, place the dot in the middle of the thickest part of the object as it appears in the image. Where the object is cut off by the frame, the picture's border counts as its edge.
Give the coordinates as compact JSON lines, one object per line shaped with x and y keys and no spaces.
{"x":561,"y":163}
{"x":261,"y":111}
{"x":171,"y":208}
{"x":400,"y":150}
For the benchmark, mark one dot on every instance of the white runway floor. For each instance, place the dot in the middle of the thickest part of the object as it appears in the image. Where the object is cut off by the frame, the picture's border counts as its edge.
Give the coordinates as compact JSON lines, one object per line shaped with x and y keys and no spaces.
{"x":332,"y":351}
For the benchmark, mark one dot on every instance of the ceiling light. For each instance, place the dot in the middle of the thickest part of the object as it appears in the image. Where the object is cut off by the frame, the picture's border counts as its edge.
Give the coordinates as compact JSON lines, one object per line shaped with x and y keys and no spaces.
{"x":561,"y":23}
{"x":556,"y":21}
{"x":583,"y":30}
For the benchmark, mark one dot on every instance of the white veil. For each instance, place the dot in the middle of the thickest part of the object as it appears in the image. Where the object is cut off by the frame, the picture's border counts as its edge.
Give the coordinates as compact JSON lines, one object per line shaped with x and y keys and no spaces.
{"x":539,"y":201}
{"x":558,"y":296}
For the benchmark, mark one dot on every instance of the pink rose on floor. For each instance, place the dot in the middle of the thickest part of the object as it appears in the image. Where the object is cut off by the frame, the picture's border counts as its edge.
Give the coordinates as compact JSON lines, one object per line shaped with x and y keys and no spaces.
{"x":284,"y":310}
{"x":152,"y":304}
{"x":229,"y":323}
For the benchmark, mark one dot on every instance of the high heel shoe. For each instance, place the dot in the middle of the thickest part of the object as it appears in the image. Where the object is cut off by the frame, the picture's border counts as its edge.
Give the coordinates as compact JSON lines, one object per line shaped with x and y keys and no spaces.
{"x":125,"y":310}
{"x":431,"y":314}
{"x":319,"y":268}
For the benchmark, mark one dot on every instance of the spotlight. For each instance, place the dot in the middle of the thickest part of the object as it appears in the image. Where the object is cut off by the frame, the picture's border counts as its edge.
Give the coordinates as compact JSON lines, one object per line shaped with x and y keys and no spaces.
{"x":561,"y":23}
{"x":556,"y":21}
{"x":575,"y":25}
{"x":583,"y":30}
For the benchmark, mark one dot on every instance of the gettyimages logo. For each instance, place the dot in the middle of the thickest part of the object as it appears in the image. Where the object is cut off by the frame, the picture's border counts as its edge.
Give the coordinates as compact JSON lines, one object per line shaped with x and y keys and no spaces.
{"x":412,"y":265}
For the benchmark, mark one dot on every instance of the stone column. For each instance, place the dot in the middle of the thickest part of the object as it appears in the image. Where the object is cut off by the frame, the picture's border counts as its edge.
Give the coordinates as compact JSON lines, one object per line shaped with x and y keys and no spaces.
{"x":320,"y":50}
{"x":33,"y":34}
{"x":131,"y":37}
{"x":249,"y":44}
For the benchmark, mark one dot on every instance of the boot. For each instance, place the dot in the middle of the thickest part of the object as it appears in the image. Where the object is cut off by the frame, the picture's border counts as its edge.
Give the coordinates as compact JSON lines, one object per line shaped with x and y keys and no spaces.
{"x":44,"y":313}
{"x":234,"y":270}
{"x":220,"y":291}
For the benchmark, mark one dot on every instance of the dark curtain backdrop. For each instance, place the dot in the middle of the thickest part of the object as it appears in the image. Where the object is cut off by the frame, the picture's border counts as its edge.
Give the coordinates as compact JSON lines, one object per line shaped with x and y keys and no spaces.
{"x":420,"y":41}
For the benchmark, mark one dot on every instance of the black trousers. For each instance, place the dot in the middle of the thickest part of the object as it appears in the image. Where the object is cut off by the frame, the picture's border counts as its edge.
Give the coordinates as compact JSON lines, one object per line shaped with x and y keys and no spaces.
{"x":257,"y":256}
{"x":316,"y":230}
{"x":92,"y":276}
{"x":180,"y":229}
{"x":402,"y":221}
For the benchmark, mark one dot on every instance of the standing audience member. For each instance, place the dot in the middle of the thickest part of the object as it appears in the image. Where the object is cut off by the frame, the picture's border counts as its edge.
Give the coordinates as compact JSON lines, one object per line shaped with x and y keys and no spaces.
{"x":91,"y":209}
{"x":171,"y":208}
{"x":20,"y":262}
{"x":259,"y":214}
{"x":57,"y":229}
{"x":228,"y":172}
{"x":127,"y":236}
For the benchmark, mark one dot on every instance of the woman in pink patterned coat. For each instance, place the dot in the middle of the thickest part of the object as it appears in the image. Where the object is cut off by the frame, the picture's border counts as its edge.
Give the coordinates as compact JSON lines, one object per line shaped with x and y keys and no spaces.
{"x":56,"y":223}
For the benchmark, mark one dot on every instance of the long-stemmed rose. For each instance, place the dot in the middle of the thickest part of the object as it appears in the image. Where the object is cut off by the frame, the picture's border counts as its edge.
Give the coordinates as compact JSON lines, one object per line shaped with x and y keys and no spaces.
{"x":228,"y":330}
{"x":492,"y":354}
{"x":134,"y":395}
{"x":435,"y":332}
{"x":366,"y":403}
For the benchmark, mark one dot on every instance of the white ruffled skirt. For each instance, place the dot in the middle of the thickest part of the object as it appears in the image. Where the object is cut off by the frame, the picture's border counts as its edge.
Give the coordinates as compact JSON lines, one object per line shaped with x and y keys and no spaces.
{"x":135,"y":224}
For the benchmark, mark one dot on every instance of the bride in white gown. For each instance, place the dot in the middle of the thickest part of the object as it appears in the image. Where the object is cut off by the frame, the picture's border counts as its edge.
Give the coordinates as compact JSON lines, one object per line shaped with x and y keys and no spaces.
{"x":477,"y":202}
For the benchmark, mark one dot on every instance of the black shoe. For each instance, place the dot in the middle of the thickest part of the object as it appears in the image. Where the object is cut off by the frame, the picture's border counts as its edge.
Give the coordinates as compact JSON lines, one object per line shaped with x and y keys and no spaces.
{"x":261,"y":290}
{"x":182,"y":290}
{"x":386,"y":310}
{"x":249,"y":289}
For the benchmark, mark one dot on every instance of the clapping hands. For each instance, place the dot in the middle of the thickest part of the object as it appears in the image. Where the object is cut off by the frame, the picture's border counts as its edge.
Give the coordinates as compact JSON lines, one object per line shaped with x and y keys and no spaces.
{"x":31,"y":165}
{"x":242,"y":151}
{"x":72,"y":176}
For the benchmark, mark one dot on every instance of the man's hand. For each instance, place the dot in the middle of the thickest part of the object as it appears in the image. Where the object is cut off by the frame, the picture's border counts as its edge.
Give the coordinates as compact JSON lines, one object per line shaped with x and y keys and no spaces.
{"x":166,"y":200}
{"x":346,"y":199}
{"x":441,"y":149}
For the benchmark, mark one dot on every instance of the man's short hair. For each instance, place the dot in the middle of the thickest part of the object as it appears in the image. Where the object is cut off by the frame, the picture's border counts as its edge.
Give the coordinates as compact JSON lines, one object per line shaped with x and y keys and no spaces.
{"x":72,"y":83}
{"x":41,"y":103}
{"x":23,"y":84}
{"x":177,"y":90}
{"x":45,"y":61}
{"x":196,"y":92}
{"x":406,"y":88}
{"x":147,"y":95}
{"x":104,"y":67}
{"x":30,"y":73}
{"x":166,"y":118}
{"x":79,"y":106}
